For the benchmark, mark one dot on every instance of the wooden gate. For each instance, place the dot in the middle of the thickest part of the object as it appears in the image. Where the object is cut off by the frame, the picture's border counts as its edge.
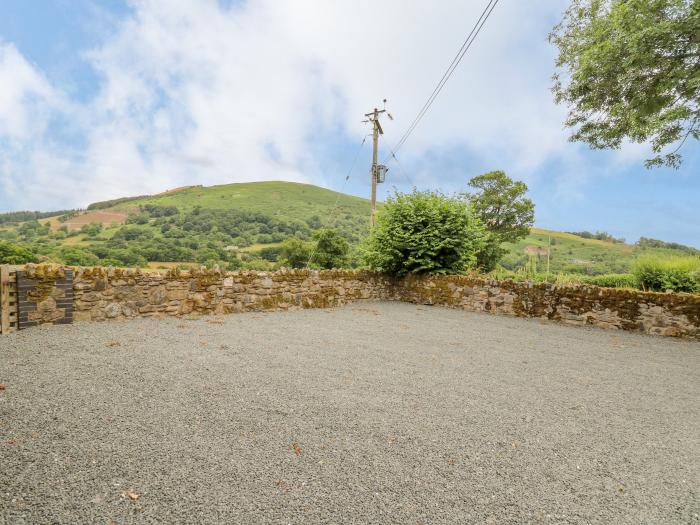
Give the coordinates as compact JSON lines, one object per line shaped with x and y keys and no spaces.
{"x":8,"y":300}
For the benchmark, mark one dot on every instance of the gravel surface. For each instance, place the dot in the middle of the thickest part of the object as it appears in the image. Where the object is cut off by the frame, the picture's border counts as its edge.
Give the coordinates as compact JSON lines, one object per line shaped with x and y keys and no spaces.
{"x":373,"y":413}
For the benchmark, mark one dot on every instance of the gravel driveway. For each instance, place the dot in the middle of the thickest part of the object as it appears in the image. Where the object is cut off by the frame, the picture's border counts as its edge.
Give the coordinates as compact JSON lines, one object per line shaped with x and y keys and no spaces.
{"x":374,"y":413}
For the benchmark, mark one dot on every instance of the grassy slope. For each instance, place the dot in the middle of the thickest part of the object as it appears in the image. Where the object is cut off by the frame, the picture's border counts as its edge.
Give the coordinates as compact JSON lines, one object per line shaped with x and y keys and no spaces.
{"x":287,"y":200}
{"x":572,"y":253}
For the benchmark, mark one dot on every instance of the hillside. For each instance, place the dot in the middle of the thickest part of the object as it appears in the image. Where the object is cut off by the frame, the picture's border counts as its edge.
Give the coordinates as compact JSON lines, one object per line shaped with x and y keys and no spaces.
{"x":281,"y":200}
{"x":246,"y":222}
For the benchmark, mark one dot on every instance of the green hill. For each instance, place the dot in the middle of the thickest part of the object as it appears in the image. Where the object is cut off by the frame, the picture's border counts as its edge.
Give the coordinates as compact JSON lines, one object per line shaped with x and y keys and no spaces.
{"x":247,"y":222}
{"x":289,"y":200}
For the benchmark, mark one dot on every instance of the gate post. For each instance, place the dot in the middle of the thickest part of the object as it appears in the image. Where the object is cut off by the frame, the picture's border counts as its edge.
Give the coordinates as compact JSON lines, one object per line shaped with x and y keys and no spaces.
{"x":4,"y":299}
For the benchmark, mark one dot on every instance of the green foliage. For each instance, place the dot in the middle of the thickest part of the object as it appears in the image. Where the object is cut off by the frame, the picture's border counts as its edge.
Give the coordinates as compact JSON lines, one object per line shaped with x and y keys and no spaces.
{"x":646,"y":242}
{"x":679,"y":274}
{"x":138,"y":218}
{"x":628,"y":70}
{"x":271,"y":253}
{"x":11,"y":253}
{"x":295,"y":253}
{"x":491,"y":253}
{"x":331,"y":250}
{"x":424,"y":232}
{"x":31,"y":229}
{"x":154,"y":210}
{"x":91,"y":230}
{"x":288,"y":202}
{"x":612,"y":280}
{"x":14,"y":217}
{"x":600,"y":236}
{"x":74,"y":256}
{"x":501,"y":205}
{"x":103,"y":205}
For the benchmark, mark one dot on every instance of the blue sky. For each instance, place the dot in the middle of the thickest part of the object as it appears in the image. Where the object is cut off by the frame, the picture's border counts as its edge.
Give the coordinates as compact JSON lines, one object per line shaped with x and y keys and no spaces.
{"x":107,"y":99}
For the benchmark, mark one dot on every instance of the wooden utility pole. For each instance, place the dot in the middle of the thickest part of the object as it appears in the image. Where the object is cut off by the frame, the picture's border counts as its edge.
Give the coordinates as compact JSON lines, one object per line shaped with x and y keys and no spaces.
{"x":375,"y":147}
{"x":377,"y":172}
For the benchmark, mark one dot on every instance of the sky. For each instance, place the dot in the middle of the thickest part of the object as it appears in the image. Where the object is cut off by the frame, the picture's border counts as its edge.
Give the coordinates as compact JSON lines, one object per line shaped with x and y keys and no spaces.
{"x":111,"y":98}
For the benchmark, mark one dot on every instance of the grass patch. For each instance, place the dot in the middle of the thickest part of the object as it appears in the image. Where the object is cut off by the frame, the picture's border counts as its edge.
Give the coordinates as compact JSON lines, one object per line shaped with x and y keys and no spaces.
{"x":678,"y":274}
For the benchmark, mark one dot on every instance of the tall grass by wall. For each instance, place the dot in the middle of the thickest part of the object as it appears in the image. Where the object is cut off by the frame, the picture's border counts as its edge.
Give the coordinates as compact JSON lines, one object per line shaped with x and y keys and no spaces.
{"x":679,"y":274}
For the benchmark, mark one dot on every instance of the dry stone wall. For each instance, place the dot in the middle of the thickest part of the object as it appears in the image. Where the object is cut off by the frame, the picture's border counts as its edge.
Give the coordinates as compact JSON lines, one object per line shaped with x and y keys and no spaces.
{"x":666,"y":314}
{"x":108,"y":293}
{"x":100,"y":293}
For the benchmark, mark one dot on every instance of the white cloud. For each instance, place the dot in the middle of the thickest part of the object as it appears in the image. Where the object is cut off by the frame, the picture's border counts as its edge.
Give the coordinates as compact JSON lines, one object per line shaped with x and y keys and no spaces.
{"x":195,"y":93}
{"x":25,"y":96}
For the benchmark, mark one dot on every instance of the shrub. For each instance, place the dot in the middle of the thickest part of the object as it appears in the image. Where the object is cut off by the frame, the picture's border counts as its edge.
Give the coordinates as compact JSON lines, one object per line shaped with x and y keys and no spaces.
{"x":331,"y":250}
{"x":271,"y":253}
{"x":294,"y":253}
{"x":75,"y":256}
{"x":91,"y":230}
{"x":679,"y":274}
{"x":424,"y":232}
{"x":11,"y":253}
{"x":612,"y":280}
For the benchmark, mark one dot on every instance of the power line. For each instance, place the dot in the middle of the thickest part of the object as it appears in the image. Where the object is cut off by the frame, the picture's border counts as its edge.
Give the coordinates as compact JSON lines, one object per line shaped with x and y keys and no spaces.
{"x":448,"y":73}
{"x":337,"y":199}
{"x":403,"y":171}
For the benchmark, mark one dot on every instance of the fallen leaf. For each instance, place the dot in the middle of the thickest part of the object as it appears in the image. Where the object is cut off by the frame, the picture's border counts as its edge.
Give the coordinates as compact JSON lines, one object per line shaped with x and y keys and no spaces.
{"x":113,"y":344}
{"x":131,"y":495}
{"x":296,"y":448}
{"x":282,"y":485}
{"x":2,"y":386}
{"x":215,"y":321}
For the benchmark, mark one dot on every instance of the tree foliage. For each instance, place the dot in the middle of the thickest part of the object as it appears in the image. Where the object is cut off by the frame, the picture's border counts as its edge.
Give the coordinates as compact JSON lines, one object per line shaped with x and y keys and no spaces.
{"x":295,"y":253}
{"x":424,"y":232}
{"x":11,"y":253}
{"x":331,"y":250}
{"x":600,"y":236}
{"x":630,"y":70}
{"x":501,"y":205}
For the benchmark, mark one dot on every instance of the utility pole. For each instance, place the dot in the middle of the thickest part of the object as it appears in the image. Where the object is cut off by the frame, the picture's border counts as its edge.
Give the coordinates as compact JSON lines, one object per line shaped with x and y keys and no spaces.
{"x":378,"y":172}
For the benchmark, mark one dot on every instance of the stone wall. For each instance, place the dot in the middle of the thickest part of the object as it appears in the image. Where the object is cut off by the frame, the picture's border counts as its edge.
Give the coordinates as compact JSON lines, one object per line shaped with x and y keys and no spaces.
{"x":667,"y":314}
{"x":111,"y":293}
{"x":100,"y":293}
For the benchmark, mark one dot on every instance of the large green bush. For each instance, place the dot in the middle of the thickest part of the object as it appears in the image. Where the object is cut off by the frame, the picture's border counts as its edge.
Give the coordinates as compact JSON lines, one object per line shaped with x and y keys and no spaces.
{"x":679,"y":274}
{"x":424,"y":232}
{"x":11,"y":253}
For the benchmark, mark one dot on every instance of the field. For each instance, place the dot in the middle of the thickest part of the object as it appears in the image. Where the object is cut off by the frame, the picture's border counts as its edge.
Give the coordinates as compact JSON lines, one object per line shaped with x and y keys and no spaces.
{"x":207,"y":225}
{"x":379,"y":413}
